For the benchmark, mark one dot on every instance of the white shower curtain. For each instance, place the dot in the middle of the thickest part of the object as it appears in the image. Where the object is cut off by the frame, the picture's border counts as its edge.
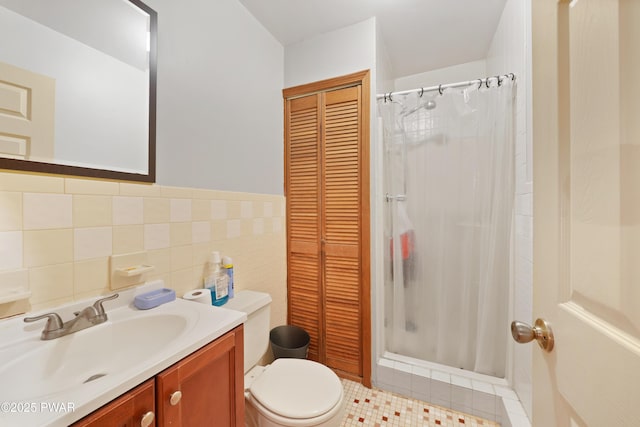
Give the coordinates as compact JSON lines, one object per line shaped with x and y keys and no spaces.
{"x":449,"y":178}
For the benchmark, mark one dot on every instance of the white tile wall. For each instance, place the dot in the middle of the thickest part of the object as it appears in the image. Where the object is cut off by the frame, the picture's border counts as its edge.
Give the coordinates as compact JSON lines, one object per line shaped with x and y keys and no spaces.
{"x":440,"y":388}
{"x":64,"y":256}
{"x":47,"y":211}
{"x":234,"y":228}
{"x":11,"y":250}
{"x":156,"y":236}
{"x":180,"y":210}
{"x":258,"y":226}
{"x":385,"y":373}
{"x":93,"y":242}
{"x":10,"y":211}
{"x":42,"y":280}
{"x":421,"y":383}
{"x":218,"y":209}
{"x":201,"y":231}
{"x":277,"y":225}
{"x":14,"y":281}
{"x":268,"y":209}
{"x":461,"y":394}
{"x":490,"y":401}
{"x":127,"y":210}
{"x":246,"y":209}
{"x":510,"y":51}
{"x":46,"y":247}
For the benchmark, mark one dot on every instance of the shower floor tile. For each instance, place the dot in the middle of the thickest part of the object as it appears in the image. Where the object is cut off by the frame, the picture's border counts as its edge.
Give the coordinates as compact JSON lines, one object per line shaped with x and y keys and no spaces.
{"x":378,"y":408}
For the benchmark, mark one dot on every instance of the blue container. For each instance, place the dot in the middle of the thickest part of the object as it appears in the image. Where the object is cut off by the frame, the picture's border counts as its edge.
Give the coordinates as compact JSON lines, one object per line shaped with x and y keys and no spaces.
{"x":230,"y":273}
{"x":227,"y":264}
{"x":153,"y":299}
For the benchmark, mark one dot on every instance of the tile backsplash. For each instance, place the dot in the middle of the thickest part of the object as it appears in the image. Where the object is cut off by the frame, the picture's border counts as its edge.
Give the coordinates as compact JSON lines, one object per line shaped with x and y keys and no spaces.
{"x":63,"y":230}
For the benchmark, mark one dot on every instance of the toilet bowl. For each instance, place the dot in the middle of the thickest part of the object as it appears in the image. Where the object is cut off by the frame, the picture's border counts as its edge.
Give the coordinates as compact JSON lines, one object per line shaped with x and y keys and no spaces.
{"x":288,"y":392}
{"x":294,"y":392}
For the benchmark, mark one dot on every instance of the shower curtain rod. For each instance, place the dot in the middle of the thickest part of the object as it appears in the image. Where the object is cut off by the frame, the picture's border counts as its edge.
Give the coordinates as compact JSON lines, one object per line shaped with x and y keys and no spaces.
{"x":440,"y":88}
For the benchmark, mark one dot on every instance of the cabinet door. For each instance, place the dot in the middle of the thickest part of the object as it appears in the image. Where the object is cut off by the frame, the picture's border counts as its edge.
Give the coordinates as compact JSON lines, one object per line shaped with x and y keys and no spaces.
{"x":128,"y":410}
{"x":206,"y":388}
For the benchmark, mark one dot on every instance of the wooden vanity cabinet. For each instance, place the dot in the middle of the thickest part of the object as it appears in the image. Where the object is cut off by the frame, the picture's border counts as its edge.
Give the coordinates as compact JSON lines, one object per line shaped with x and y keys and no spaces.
{"x":205,"y":388}
{"x":128,"y":410}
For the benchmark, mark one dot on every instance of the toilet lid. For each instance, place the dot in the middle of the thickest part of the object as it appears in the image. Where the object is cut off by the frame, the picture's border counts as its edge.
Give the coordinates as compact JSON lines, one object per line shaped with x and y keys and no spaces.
{"x":297,"y":388}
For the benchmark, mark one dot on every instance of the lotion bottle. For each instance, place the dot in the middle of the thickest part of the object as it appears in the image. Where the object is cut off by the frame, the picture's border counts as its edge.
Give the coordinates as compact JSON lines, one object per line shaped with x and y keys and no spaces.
{"x":227,"y":263}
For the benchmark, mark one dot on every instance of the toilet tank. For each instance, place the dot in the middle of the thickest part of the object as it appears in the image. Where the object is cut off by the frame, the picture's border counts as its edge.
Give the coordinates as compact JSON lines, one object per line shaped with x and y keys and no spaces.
{"x":257,"y":306}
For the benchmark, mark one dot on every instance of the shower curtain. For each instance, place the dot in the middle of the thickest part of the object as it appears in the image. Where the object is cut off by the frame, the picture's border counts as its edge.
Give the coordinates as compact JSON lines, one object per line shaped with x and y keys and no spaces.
{"x":449,"y":184}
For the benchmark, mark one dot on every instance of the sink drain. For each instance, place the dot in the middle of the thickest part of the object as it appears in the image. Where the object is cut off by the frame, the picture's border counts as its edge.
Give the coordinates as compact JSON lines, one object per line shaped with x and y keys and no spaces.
{"x":93,"y":377}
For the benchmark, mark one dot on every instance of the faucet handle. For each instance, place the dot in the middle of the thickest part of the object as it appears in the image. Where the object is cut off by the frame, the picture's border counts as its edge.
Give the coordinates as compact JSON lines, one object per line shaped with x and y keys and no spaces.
{"x":54,"y":321}
{"x":98,"y":304}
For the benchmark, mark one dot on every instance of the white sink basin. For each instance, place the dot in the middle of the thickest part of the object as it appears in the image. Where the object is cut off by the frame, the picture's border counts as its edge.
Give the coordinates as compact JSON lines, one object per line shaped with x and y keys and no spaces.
{"x":85,"y":356}
{"x":91,"y":367}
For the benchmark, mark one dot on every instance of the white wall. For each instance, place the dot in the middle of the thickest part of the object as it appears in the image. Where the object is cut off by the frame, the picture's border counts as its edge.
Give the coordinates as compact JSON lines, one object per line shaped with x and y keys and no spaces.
{"x":332,"y":54}
{"x":510,"y":51}
{"x":456,"y":73}
{"x":384,"y":69}
{"x":220,"y":77}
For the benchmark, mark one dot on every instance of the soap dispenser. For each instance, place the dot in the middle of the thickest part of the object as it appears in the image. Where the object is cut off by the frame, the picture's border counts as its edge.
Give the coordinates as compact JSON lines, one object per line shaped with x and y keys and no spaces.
{"x":216,"y":280}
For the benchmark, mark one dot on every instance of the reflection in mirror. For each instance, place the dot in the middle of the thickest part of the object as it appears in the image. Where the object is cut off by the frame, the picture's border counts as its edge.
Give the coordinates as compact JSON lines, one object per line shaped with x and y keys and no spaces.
{"x":77,"y":87}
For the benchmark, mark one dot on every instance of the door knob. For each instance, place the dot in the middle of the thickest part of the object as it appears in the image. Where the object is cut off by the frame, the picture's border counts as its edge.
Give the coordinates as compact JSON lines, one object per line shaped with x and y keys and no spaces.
{"x":541,"y":332}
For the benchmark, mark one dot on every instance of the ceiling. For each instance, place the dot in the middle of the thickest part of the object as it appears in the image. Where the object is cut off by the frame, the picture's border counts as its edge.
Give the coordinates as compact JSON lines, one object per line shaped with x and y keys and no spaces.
{"x":419,"y":35}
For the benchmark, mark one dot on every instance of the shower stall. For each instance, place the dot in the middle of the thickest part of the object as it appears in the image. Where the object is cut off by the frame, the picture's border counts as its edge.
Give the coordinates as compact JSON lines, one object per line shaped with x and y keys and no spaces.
{"x":448,"y":161}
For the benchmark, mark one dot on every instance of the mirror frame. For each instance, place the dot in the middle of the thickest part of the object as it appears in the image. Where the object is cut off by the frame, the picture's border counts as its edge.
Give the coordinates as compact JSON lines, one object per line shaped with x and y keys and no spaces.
{"x":150,"y":176}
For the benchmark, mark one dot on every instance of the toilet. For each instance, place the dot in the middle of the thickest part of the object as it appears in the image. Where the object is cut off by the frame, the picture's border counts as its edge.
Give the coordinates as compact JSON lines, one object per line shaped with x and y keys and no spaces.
{"x":288,"y":392}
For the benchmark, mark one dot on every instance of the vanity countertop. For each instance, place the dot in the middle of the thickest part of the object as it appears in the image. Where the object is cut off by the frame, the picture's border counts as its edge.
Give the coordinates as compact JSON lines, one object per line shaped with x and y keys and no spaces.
{"x":44,"y":383}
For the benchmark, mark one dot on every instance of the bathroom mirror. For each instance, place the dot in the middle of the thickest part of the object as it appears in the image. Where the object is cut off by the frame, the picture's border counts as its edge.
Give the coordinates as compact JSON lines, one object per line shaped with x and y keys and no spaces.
{"x":78,"y":87}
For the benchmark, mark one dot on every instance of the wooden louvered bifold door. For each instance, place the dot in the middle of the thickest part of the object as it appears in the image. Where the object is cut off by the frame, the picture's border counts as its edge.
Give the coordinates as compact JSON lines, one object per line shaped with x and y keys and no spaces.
{"x":341,"y":230}
{"x":303,"y":217}
{"x":327,"y":190}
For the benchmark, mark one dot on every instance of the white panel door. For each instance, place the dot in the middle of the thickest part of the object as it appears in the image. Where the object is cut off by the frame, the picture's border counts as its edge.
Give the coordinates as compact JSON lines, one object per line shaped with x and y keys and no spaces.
{"x":27,"y":108}
{"x":586,"y":133}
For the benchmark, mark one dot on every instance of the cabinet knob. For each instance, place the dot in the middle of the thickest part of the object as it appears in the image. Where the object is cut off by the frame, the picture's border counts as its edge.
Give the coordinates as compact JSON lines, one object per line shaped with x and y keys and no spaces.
{"x":175,"y":397}
{"x":147,"y":419}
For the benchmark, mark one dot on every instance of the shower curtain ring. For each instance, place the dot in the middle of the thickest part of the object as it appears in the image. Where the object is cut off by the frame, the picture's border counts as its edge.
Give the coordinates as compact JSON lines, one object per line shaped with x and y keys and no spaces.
{"x":440,"y":89}
{"x":499,"y":81}
{"x":486,"y":82}
{"x":479,"y":84}
{"x":421,"y":92}
{"x":513,"y":77}
{"x":390,"y":99}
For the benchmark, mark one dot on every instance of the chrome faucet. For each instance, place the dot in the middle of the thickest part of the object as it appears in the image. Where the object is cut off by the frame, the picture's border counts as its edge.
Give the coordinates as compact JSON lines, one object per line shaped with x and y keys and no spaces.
{"x":85,"y":318}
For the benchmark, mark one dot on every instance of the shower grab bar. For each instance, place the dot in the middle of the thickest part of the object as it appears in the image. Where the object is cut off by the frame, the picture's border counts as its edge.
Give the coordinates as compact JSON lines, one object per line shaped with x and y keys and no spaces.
{"x":399,"y":197}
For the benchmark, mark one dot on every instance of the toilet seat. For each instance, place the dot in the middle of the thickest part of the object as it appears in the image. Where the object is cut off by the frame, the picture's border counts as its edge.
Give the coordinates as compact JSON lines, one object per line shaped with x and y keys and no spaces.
{"x":297,"y":389}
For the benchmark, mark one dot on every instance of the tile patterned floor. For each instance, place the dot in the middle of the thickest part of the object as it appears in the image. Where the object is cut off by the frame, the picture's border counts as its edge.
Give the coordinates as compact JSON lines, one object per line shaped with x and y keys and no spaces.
{"x":377,"y":408}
